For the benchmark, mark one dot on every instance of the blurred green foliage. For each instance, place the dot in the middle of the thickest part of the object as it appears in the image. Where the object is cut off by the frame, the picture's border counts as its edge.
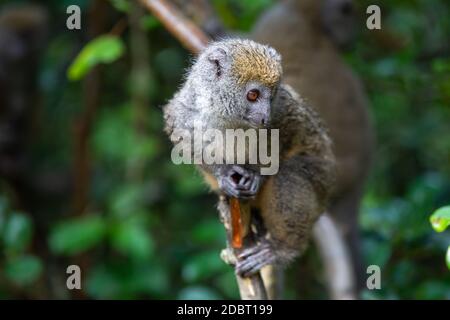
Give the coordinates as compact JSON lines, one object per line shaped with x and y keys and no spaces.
{"x":16,"y":231}
{"x":408,"y":86}
{"x":159,"y":236}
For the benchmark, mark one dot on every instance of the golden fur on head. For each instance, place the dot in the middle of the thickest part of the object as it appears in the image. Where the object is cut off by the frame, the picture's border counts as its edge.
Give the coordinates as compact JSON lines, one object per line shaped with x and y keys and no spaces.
{"x":256,"y":63}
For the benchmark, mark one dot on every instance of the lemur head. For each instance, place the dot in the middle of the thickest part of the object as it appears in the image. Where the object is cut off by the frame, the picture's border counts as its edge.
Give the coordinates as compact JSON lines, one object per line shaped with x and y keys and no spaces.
{"x":238,"y":79}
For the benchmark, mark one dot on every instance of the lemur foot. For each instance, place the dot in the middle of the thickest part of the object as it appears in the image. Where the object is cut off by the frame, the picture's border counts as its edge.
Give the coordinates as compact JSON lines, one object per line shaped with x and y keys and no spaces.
{"x":251,"y":260}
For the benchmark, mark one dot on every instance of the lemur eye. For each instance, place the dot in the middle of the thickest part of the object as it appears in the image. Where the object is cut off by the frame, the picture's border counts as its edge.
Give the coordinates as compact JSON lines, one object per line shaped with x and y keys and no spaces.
{"x":252,"y":95}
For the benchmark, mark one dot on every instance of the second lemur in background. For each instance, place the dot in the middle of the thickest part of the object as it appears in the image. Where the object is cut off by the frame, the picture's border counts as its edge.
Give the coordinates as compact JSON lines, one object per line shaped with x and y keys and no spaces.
{"x":307,"y":33}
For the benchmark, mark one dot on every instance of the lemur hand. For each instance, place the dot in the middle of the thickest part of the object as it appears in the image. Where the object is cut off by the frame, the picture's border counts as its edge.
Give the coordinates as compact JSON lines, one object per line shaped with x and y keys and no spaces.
{"x":239,"y":182}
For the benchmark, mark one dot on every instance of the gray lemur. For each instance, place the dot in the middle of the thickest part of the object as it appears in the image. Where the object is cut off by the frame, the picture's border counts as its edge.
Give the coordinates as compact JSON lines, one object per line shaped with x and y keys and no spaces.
{"x":235,"y":84}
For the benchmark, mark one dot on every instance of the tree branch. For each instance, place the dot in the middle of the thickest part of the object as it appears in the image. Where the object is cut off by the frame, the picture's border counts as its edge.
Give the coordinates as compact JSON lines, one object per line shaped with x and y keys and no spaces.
{"x":250,"y":288}
{"x":202,"y":13}
{"x":191,"y":36}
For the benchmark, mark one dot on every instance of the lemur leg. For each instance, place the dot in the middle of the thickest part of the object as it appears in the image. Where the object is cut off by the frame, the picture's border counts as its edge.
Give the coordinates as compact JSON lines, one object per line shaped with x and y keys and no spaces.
{"x":289,"y":206}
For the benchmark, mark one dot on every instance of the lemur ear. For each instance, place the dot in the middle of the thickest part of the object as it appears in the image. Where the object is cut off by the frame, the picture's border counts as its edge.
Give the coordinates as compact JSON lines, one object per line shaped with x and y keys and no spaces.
{"x":274,"y":54}
{"x":218,"y":57}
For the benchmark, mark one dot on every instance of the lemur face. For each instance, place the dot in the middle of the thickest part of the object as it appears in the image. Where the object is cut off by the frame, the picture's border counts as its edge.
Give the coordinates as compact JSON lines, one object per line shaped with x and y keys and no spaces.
{"x":249,"y":73}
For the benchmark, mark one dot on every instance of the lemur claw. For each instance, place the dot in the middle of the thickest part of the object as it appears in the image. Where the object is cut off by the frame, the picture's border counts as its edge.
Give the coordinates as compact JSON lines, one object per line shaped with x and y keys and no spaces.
{"x":251,"y":260}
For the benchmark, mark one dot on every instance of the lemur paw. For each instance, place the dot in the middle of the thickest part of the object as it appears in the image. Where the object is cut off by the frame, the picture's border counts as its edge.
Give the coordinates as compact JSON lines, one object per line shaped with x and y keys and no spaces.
{"x":240,"y":183}
{"x":251,"y":260}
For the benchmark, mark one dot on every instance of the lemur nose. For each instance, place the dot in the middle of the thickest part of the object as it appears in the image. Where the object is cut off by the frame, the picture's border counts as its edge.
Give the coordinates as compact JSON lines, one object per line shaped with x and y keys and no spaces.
{"x":263,"y":121}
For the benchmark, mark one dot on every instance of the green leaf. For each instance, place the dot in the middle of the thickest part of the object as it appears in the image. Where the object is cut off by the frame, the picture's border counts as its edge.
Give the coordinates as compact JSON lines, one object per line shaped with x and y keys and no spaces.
{"x":77,"y":235}
{"x":104,"y":49}
{"x":17,"y":233}
{"x":440,"y":219}
{"x":132,"y":239}
{"x":23,"y":270}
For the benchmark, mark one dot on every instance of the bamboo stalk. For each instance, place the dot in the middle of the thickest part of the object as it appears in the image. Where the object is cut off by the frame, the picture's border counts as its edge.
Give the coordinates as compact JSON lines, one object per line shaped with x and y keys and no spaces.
{"x":250,"y":288}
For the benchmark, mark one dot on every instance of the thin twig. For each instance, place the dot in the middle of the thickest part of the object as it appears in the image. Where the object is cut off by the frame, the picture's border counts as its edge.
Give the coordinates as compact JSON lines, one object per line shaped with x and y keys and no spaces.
{"x":191,"y":36}
{"x":118,"y":29}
